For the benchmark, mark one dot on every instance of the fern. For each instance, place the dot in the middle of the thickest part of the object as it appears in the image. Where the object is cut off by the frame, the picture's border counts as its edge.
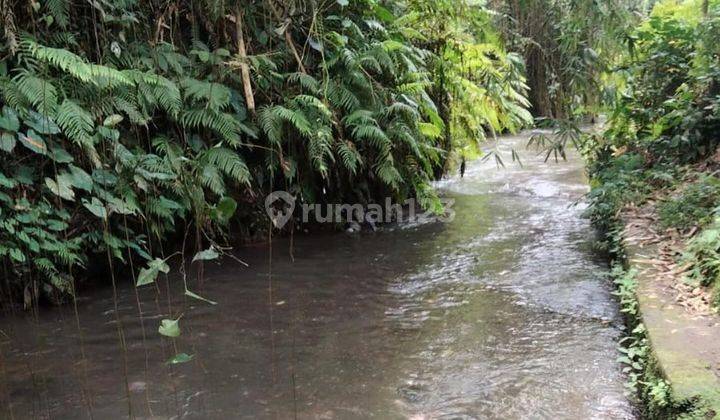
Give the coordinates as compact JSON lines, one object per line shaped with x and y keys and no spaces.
{"x":59,"y":10}
{"x":342,"y":98}
{"x":373,"y":135}
{"x":320,"y":151}
{"x":381,"y":52}
{"x":41,"y":93}
{"x":75,"y":66}
{"x":155,"y":112}
{"x":229,"y":162}
{"x":311,"y":102}
{"x":271,"y":124}
{"x":129,"y":108}
{"x":214,"y":95}
{"x":296,"y":118}
{"x":306,"y":81}
{"x":12,"y":94}
{"x":272,"y":118}
{"x":166,"y":93}
{"x":349,"y":156}
{"x":212,"y":178}
{"x":222,"y":123}
{"x":360,"y":117}
{"x":387,"y":172}
{"x":403,"y":135}
{"x":407,"y":112}
{"x":157,"y":90}
{"x":75,"y":122}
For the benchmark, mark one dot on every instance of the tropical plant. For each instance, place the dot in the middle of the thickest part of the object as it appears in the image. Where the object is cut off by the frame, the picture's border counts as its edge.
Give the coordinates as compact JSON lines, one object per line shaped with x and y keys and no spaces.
{"x":477,"y":86}
{"x":571,"y":49}
{"x":127,"y":123}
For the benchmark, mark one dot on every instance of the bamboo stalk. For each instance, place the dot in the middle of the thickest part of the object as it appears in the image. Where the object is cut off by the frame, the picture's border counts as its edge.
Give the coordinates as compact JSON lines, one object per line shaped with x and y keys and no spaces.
{"x":244,"y":67}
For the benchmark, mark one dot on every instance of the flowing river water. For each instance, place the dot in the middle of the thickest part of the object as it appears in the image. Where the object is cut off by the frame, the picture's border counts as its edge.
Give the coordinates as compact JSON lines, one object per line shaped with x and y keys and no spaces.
{"x":504,"y":313}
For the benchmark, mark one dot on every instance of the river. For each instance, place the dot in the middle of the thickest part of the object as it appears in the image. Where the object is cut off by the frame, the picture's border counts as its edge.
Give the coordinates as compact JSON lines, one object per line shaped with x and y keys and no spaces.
{"x":504,"y":313}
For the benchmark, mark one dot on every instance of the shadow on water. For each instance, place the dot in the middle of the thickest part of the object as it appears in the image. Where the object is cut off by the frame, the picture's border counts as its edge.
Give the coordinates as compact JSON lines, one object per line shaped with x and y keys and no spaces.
{"x":503,"y":313}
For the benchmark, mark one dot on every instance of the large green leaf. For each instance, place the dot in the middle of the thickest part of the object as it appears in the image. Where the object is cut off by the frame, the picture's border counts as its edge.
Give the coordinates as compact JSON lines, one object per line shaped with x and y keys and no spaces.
{"x":41,"y":123}
{"x":60,"y":155}
{"x":7,"y":182}
{"x":9,"y":119}
{"x":120,"y":206}
{"x":149,"y":274}
{"x":61,"y":186}
{"x":169,"y":327}
{"x":7,"y":142}
{"x":80,"y":178}
{"x":104,"y":177}
{"x":224,"y":210}
{"x":112,"y":120}
{"x":96,"y":207}
{"x":33,"y":141}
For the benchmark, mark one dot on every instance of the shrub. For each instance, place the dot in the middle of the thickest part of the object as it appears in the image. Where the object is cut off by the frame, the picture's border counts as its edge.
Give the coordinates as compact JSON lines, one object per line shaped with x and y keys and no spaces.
{"x":694,"y":206}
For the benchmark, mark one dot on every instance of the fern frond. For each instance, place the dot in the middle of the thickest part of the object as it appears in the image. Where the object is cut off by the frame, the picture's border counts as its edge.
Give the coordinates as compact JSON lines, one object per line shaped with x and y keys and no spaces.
{"x":272,"y":118}
{"x":130,"y":109}
{"x":229,"y":162}
{"x":404,"y":110}
{"x":157,"y":90}
{"x":211,"y":178}
{"x":75,"y":66}
{"x":59,"y":10}
{"x":342,"y":98}
{"x":359,"y":117}
{"x":41,"y":93}
{"x":11,"y":94}
{"x":312,"y":102}
{"x":222,"y":123}
{"x":387,"y":172}
{"x":167,"y":94}
{"x":349,"y":155}
{"x":320,"y":150}
{"x":270,"y":124}
{"x":373,"y":135}
{"x":76,"y":123}
{"x":214,"y":95}
{"x":306,"y":81}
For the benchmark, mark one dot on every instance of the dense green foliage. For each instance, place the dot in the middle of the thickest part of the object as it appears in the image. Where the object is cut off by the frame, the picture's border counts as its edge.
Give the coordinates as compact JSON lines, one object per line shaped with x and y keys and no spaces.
{"x":661,"y":137}
{"x":693,"y":205}
{"x":667,"y":112}
{"x":703,"y":256}
{"x":570,"y":48}
{"x":125,"y":123}
{"x":478,"y":87}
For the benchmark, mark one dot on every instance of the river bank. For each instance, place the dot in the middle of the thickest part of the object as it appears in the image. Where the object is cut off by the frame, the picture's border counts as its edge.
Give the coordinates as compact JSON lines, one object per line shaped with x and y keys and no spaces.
{"x":676,"y":358}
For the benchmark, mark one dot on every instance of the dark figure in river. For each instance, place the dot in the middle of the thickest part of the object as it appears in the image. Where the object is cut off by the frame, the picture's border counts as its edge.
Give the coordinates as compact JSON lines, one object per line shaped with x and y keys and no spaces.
{"x":462,"y":167}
